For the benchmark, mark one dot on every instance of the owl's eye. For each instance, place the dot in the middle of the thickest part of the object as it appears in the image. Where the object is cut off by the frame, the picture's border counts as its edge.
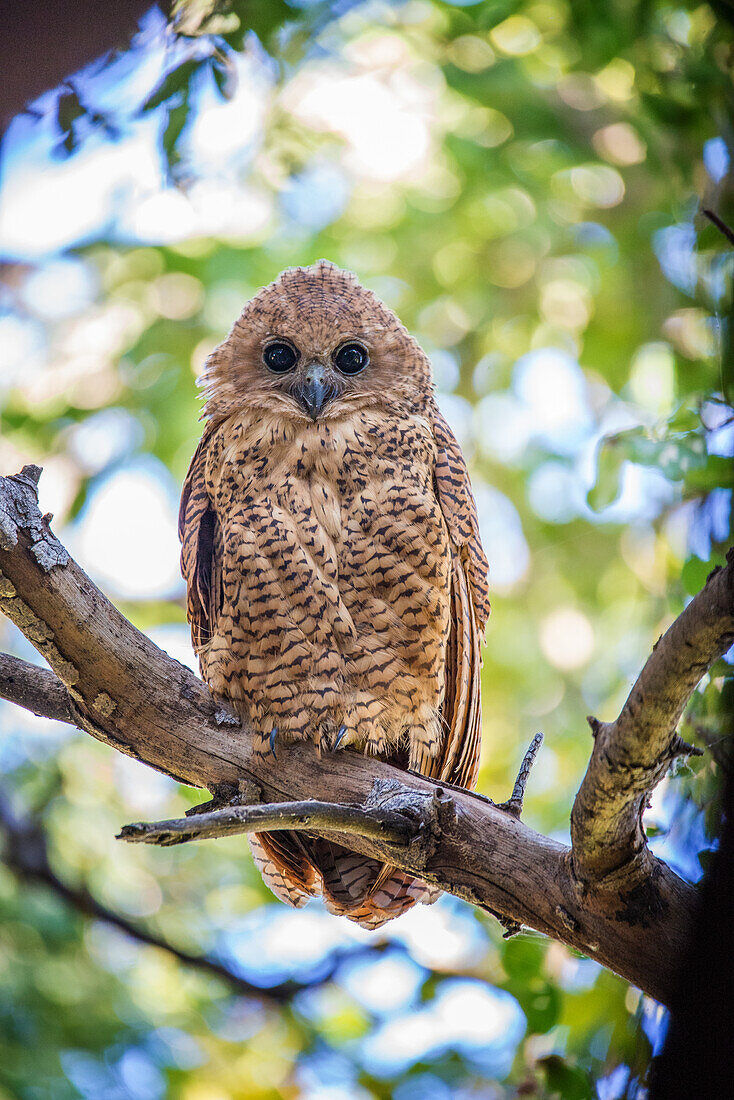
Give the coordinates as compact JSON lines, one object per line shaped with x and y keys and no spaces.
{"x":351,"y":358}
{"x":280,"y":357}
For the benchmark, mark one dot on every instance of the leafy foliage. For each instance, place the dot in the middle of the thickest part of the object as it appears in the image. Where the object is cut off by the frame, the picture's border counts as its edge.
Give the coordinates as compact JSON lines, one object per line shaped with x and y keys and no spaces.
{"x":521,"y":182}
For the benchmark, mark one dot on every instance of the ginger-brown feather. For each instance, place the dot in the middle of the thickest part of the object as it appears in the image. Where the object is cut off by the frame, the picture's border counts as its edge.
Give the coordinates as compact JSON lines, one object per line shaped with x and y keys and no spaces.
{"x":336,"y":581}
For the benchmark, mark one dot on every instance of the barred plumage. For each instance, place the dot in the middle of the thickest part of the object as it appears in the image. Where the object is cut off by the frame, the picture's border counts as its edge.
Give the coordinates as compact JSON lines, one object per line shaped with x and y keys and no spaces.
{"x":337,"y":587}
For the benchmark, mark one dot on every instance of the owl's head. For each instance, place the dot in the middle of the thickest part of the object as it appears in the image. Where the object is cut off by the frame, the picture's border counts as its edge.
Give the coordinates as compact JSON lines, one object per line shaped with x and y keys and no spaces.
{"x":315,"y":344}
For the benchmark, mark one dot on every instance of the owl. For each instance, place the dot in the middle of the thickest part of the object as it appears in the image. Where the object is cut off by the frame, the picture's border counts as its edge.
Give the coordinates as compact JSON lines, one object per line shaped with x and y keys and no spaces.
{"x":337,"y":586}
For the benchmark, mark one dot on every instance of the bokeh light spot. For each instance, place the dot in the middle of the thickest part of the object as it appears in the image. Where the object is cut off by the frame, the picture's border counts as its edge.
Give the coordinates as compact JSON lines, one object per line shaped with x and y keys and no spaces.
{"x":567,"y":638}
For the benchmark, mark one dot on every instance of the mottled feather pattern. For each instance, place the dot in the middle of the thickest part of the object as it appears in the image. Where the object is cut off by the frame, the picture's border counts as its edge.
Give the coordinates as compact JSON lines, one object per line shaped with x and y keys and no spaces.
{"x":337,"y":587}
{"x":460,"y":511}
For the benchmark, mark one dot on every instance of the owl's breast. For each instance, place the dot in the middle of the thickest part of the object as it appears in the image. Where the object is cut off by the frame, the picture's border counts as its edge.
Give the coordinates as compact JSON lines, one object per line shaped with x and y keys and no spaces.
{"x":336,"y":566}
{"x":333,"y":479}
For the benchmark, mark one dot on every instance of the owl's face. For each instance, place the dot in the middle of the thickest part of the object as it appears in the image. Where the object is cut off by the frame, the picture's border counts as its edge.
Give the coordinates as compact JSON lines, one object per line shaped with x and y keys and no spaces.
{"x":316,"y":345}
{"x":318,"y":374}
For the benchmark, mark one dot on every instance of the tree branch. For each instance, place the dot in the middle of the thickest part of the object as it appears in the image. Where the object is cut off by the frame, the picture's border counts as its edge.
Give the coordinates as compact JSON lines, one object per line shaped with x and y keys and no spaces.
{"x":631,"y":756}
{"x":26,"y":853}
{"x":130,"y":694}
{"x":36,"y":689}
{"x":317,"y":817}
{"x":720,"y":224}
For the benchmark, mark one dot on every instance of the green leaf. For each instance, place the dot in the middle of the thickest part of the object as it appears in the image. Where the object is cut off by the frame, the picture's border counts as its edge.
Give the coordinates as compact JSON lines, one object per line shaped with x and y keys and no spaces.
{"x":176,"y":120}
{"x":265,"y":17}
{"x":568,"y":1082}
{"x":541,"y":1003}
{"x":609,"y":462}
{"x":68,"y":110}
{"x":706,"y":858}
{"x":677,"y":456}
{"x":717,"y":472}
{"x":173,"y":83}
{"x":695,"y":572}
{"x":523,"y":957}
{"x":686,"y":417}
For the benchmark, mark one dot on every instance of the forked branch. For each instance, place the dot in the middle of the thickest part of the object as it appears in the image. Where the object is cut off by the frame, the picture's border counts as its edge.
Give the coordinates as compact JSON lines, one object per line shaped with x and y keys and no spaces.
{"x":122,"y":689}
{"x":632,"y":754}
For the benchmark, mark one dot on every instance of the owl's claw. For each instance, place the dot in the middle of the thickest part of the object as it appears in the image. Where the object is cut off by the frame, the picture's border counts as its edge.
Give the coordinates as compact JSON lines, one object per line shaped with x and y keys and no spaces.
{"x":273,"y":735}
{"x":339,"y":738}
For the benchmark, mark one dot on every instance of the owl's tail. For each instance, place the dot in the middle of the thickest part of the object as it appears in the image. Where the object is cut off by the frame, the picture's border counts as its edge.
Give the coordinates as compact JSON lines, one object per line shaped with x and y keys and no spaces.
{"x":365,"y":890}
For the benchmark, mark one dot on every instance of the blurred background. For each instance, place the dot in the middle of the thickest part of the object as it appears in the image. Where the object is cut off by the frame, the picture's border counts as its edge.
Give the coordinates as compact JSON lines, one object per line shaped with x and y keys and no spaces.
{"x":523,"y":184}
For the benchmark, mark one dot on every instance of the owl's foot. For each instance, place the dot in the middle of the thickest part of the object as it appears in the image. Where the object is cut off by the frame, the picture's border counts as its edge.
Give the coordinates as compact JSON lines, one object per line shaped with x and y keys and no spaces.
{"x":341,"y":734}
{"x":328,"y":741}
{"x":265,"y":744}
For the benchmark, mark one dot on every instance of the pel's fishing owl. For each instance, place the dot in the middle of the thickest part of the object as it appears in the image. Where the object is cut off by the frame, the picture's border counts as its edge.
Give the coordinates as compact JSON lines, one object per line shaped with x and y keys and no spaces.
{"x":337,"y":586}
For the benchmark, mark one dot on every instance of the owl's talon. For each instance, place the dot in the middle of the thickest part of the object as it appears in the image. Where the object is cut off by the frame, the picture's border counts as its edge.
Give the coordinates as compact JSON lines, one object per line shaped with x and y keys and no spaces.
{"x":339,"y":738}
{"x":273,"y":735}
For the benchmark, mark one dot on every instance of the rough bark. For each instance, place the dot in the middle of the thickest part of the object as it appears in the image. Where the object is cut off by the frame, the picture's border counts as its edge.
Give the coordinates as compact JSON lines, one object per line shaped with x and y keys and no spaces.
{"x":36,"y":689}
{"x":313,"y":816}
{"x":632,"y":754}
{"x":128,"y":693}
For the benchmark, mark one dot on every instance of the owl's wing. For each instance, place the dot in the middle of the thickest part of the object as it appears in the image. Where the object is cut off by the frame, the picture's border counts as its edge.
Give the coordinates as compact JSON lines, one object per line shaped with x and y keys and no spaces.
{"x":200,"y":563}
{"x":460,"y":512}
{"x":281,"y":857}
{"x":459,"y":762}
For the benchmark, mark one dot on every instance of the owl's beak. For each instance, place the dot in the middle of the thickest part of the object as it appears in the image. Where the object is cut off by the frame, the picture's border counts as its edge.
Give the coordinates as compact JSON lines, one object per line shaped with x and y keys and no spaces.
{"x":314,"y":390}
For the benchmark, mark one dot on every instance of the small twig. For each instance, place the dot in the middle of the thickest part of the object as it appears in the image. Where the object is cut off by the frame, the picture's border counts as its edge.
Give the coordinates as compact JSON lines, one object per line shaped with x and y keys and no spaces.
{"x":385,"y":825}
{"x":680,"y":747}
{"x":513,"y":805}
{"x":511,"y":928}
{"x":720,"y":225}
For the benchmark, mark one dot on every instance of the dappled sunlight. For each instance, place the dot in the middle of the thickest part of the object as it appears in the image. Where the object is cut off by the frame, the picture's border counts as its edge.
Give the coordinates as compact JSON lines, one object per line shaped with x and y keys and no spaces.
{"x":384,"y":985}
{"x":383,"y":106}
{"x":502,"y":537}
{"x":567,"y":638}
{"x":69,"y":200}
{"x":465,"y":1015}
{"x":443,"y":936}
{"x":521,"y":186}
{"x":274,"y":943}
{"x":126,"y":536}
{"x":552,"y":388}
